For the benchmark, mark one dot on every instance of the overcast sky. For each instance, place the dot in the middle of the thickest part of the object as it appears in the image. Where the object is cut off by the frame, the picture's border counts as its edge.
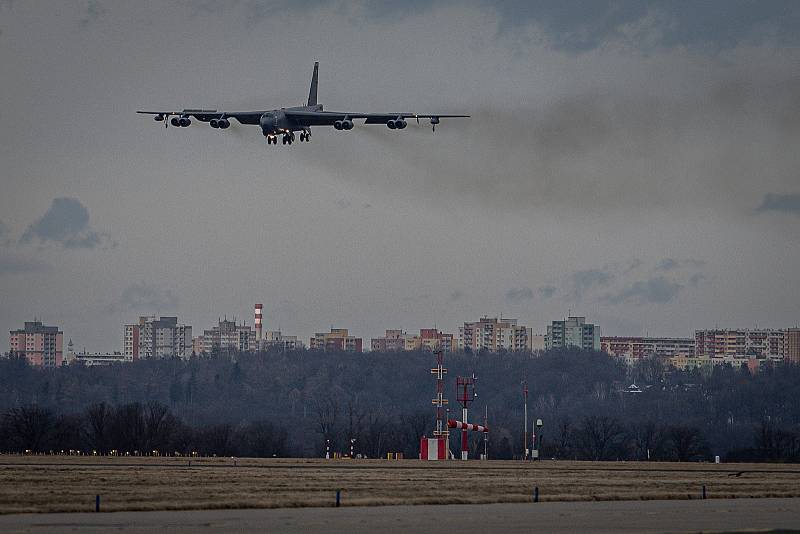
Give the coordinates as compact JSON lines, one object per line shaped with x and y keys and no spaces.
{"x":634,"y":162}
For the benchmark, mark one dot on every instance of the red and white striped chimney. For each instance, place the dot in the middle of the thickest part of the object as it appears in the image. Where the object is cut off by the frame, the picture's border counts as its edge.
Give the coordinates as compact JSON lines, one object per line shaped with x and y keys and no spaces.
{"x":259,"y":309}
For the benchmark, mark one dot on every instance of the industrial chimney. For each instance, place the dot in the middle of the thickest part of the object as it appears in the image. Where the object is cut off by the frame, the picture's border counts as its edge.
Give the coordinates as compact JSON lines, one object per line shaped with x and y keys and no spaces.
{"x":259,"y":309}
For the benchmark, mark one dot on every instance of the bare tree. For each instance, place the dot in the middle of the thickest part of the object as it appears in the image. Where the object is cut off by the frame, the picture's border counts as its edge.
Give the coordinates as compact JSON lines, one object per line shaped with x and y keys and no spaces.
{"x":687,"y":442}
{"x":30,"y":428}
{"x":98,"y":427}
{"x":599,"y":437}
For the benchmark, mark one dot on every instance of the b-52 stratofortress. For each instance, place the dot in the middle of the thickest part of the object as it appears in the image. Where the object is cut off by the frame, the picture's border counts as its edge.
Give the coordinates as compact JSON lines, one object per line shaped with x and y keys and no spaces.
{"x":285,"y":122}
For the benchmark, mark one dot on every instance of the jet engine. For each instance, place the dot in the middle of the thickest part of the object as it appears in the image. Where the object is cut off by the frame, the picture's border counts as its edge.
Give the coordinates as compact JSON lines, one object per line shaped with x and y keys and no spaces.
{"x":175,"y":121}
{"x":183,"y":122}
{"x":214,"y":123}
{"x":347,"y":124}
{"x":391,"y":124}
{"x":337,"y":125}
{"x":158,"y":118}
{"x":223,"y":123}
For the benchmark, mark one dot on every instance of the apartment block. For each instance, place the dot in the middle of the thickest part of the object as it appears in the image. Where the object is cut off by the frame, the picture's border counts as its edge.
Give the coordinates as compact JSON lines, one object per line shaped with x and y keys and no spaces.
{"x":338,"y":339}
{"x":227,"y":336}
{"x":793,"y":346}
{"x":494,"y":335}
{"x":633,"y":349}
{"x":573,"y":332}
{"x":274,"y":339}
{"x":157,"y":338}
{"x":41,"y":345}
{"x":738,"y":346}
{"x":428,"y":339}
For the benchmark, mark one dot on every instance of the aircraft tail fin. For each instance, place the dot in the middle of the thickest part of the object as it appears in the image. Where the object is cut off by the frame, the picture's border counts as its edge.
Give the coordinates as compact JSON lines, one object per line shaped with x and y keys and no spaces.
{"x":312,"y":93}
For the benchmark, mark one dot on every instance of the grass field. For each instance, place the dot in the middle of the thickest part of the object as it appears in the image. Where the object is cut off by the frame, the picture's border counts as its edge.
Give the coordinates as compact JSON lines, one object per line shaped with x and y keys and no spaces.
{"x":69,"y":484}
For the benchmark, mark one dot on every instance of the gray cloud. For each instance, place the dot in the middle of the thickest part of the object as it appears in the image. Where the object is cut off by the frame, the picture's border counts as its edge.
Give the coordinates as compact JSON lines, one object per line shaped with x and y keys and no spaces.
{"x":518,"y":295}
{"x":576,"y":26}
{"x":94,"y":10}
{"x":145,"y":297}
{"x":656,"y":290}
{"x":456,"y":295}
{"x":65,"y":222}
{"x":667,"y":264}
{"x":15,"y":265}
{"x":586,"y":280}
{"x":671,"y":264}
{"x":788,"y":203}
{"x":696,"y":279}
{"x":4,"y":233}
{"x":547,"y":292}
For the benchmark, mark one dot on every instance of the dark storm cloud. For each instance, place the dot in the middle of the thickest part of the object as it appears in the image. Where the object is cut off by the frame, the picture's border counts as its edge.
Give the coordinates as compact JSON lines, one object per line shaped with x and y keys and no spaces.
{"x":583,"y":281}
{"x":656,"y":290}
{"x":547,"y":292}
{"x":65,"y":222}
{"x":788,"y":203}
{"x":145,"y":297}
{"x":517,"y":295}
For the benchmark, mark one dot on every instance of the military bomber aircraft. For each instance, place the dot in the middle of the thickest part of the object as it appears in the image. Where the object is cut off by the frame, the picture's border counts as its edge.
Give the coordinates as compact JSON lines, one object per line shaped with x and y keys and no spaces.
{"x":285,"y":122}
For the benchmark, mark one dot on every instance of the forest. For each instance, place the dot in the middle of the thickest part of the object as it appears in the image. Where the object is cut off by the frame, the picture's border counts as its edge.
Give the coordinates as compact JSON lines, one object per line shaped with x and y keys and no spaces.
{"x":295,"y":403}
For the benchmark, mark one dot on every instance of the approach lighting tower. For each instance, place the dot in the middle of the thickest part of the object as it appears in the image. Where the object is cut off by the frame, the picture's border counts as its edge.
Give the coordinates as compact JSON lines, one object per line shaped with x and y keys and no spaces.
{"x":440,"y":402}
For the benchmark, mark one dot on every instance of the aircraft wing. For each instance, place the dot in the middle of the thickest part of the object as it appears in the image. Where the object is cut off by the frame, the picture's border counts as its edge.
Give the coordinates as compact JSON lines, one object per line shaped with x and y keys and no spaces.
{"x":327,"y":118}
{"x":205,"y":115}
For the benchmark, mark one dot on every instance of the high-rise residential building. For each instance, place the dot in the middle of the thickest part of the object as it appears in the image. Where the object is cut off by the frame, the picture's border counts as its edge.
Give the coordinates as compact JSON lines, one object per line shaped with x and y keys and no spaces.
{"x":572,"y":332}
{"x":338,"y":339}
{"x":157,"y":338}
{"x":227,"y":336}
{"x":793,"y":345}
{"x":41,"y":345}
{"x":632,"y":349}
{"x":130,"y":346}
{"x":738,"y":346}
{"x":428,"y":339}
{"x":274,"y":339}
{"x":494,"y":335}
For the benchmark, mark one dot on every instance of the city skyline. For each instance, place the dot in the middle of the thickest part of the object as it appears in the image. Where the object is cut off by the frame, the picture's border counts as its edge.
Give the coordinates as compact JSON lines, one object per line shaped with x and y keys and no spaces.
{"x":641,"y":172}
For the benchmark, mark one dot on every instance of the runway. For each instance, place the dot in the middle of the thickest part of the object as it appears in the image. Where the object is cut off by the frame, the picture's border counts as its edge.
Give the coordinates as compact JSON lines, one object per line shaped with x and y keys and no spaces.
{"x":712,"y":515}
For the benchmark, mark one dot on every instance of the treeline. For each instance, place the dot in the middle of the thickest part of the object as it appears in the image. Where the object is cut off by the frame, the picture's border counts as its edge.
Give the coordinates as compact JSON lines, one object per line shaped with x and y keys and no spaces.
{"x":133,"y":429}
{"x":381,"y":402}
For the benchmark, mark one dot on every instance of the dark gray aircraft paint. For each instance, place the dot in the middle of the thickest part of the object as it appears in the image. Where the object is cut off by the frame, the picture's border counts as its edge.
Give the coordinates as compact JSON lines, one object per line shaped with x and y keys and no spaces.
{"x":286,"y":121}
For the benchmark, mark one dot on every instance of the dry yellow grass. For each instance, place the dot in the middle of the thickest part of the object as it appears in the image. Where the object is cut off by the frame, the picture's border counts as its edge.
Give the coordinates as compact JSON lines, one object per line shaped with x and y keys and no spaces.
{"x":69,"y":484}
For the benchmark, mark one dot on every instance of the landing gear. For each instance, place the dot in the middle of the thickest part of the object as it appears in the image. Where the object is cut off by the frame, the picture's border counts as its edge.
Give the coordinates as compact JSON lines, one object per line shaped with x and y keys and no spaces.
{"x":287,"y":138}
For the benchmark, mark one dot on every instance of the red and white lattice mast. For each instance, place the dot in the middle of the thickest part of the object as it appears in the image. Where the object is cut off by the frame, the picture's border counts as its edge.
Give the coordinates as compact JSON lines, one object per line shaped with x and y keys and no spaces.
{"x":465,"y":391}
